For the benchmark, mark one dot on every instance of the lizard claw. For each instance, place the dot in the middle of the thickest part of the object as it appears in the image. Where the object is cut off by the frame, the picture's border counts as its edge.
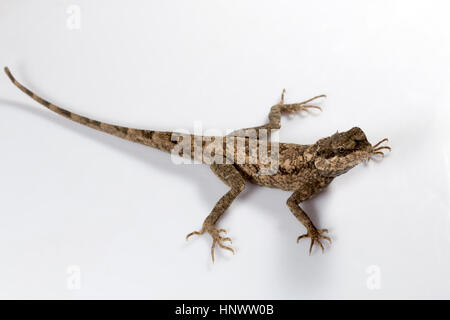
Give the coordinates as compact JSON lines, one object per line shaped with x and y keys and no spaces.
{"x":294,"y":108}
{"x":376,"y":148}
{"x":315,"y":236}
{"x":297,"y":107}
{"x":217,"y":238}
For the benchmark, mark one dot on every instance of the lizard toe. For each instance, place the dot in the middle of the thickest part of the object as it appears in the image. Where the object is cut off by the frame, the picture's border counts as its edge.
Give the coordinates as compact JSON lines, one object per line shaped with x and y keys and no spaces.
{"x":315,"y":236}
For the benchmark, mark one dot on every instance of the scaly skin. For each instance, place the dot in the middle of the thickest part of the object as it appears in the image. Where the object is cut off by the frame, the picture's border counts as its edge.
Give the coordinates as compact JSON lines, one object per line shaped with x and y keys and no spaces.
{"x":304,"y":169}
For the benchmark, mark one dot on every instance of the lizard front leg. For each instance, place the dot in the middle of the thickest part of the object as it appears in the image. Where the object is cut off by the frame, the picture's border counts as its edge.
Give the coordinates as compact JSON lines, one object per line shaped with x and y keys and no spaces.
{"x":312,"y":232}
{"x":231,"y":177}
{"x":275,"y":116}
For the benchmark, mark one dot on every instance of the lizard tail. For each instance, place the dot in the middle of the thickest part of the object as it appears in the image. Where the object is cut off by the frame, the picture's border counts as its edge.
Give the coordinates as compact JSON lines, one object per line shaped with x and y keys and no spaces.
{"x":156,"y":139}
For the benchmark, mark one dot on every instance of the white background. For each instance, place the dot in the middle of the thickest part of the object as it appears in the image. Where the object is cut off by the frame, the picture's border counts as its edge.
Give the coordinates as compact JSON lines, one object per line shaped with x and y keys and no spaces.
{"x":118,"y":212}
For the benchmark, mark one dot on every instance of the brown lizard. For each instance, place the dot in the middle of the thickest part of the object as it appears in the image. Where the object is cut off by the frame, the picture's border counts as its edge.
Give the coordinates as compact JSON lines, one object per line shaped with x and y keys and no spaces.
{"x":304,"y":169}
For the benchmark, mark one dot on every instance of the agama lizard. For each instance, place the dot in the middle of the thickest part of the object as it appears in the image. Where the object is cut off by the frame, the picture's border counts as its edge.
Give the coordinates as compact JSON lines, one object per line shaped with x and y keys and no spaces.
{"x":304,"y":169}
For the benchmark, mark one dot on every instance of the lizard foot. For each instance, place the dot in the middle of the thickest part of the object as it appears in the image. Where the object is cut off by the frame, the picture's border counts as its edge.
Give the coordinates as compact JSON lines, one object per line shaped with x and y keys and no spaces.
{"x":376,"y":148}
{"x":315,"y":236}
{"x":297,"y":107}
{"x":217,"y":238}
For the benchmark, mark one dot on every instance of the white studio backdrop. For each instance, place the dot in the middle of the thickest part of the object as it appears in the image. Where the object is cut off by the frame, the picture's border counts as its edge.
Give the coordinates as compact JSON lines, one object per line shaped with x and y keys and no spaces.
{"x":87,"y":215}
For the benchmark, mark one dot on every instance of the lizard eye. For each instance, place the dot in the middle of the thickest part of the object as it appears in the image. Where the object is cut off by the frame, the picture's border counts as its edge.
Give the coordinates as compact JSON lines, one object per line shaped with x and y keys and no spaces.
{"x":340,"y":150}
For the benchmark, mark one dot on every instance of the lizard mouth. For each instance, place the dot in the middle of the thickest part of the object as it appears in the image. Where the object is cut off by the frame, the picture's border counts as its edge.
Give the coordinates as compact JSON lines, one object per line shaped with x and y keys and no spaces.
{"x":335,"y":166}
{"x":376,"y":149}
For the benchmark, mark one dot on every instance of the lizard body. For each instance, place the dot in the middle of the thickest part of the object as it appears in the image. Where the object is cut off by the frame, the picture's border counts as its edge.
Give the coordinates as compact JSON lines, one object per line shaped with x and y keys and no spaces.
{"x":304,"y":169}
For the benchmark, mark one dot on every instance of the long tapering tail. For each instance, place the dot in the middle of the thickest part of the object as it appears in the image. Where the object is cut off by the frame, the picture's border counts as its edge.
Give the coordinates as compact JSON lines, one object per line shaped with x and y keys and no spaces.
{"x":156,"y":139}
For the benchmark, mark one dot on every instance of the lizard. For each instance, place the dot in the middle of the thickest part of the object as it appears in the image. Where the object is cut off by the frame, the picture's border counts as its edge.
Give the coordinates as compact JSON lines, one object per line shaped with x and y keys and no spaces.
{"x":304,"y":169}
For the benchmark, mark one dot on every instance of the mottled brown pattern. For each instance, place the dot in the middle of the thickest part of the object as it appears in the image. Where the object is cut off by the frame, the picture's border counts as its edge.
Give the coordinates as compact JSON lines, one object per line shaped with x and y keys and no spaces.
{"x":304,"y":169}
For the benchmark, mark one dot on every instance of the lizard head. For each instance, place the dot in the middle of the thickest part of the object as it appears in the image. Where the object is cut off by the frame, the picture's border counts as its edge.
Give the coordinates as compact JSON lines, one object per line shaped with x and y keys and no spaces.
{"x":339,"y":153}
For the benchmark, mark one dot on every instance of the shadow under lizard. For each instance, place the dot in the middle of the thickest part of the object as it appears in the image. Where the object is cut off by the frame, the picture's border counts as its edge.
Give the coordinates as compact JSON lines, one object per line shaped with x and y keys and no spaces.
{"x":304,"y":169}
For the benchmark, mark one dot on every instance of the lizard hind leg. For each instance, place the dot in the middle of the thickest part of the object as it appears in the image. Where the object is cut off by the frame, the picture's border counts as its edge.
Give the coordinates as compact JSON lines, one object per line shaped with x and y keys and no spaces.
{"x":231,"y":177}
